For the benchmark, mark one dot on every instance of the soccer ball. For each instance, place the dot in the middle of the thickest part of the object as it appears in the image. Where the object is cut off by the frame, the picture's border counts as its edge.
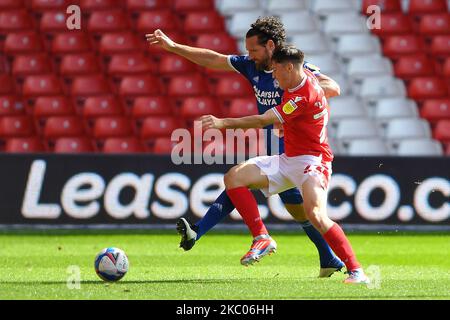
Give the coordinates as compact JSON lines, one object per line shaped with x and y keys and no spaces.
{"x":111,"y":264}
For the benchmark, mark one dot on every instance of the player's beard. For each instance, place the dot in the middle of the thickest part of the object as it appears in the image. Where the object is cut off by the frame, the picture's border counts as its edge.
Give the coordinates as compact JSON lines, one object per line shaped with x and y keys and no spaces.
{"x":265,"y":64}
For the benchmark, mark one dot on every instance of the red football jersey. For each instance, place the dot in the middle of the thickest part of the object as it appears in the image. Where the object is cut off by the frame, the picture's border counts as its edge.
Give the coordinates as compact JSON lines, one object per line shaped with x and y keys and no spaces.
{"x":304,"y":113}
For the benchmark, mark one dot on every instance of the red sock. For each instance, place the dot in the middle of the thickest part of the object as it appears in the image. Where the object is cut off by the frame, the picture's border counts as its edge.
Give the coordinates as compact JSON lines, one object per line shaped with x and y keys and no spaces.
{"x":339,"y":243}
{"x":245,"y":203}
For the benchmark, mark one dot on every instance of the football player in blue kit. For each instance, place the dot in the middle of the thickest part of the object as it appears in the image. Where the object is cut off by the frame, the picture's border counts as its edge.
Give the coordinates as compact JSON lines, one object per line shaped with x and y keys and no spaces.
{"x":262,"y":38}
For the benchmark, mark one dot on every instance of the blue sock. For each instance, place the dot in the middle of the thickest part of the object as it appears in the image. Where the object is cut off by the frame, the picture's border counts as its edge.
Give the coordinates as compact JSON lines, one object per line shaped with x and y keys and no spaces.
{"x":326,"y":255}
{"x":216,"y":212}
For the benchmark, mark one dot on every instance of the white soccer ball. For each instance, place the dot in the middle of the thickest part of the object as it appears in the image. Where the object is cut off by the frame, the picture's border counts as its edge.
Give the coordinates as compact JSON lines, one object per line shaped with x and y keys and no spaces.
{"x":111,"y":264}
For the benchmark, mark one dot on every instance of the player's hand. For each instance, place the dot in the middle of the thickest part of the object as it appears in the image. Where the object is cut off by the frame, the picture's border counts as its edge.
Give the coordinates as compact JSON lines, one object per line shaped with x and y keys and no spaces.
{"x":211,"y":122}
{"x":278,"y":130}
{"x":159,"y":38}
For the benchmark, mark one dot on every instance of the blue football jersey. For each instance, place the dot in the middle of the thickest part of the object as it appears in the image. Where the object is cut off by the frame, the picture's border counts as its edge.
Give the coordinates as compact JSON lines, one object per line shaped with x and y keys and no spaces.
{"x":267,"y":91}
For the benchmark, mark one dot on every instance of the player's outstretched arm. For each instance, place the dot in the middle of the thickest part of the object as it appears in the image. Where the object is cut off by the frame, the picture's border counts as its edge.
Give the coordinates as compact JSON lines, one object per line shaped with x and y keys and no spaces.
{"x":329,"y":86}
{"x":256,"y":121}
{"x":203,"y":57}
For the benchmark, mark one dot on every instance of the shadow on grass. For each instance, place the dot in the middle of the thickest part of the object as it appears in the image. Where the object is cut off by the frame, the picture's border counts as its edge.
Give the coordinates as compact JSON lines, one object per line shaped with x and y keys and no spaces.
{"x":125,"y":282}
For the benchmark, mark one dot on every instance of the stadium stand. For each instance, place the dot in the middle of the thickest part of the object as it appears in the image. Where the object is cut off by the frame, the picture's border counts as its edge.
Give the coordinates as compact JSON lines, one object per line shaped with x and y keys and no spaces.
{"x":103,"y":89}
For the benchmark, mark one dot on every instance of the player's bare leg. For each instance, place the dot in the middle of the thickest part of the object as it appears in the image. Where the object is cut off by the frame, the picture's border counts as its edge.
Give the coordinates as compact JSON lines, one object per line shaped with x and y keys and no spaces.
{"x":315,"y":202}
{"x":237,"y":183}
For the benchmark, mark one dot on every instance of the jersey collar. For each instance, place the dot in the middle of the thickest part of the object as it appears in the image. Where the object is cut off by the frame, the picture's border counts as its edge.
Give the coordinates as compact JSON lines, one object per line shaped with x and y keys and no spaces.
{"x":299,"y":86}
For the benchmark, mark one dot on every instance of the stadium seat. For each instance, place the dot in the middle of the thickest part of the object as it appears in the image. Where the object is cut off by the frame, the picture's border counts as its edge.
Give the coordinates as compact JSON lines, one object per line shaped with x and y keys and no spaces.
{"x":365,"y":66}
{"x":187,"y":85}
{"x":53,"y":21}
{"x":11,"y":106}
{"x":407,"y":128}
{"x":446,"y":68}
{"x":280,"y":7}
{"x":240,"y":22}
{"x":426,"y":6}
{"x":122,"y":145}
{"x":442,"y":131}
{"x":414,"y":66}
{"x":400,"y":45}
{"x":435,"y":24}
{"x":361,"y":128}
{"x":119,"y":42}
{"x":229,"y":7}
{"x":385,"y":6}
{"x":130,"y":64}
{"x":183,"y":6}
{"x":107,"y":21}
{"x":45,"y":107}
{"x":11,"y":4}
{"x":219,"y":42}
{"x":233,"y":85}
{"x":79,"y":64}
{"x":241,"y":107}
{"x":136,"y":6}
{"x":31,"y":64}
{"x":367,"y":147}
{"x":83,"y":86}
{"x":15,"y":20}
{"x":203,"y":22}
{"x":165,"y":19}
{"x":6,"y":84}
{"x":22,"y":42}
{"x":141,"y":85}
{"x":325,"y":7}
{"x":171,"y":64}
{"x":154,"y":127}
{"x":24,"y":145}
{"x":342,"y":23}
{"x":16,"y":126}
{"x":151,"y":106}
{"x":290,"y":20}
{"x":99,"y":5}
{"x":382,"y":87}
{"x":423,"y":88}
{"x":393,"y":24}
{"x":440,"y":46}
{"x":195,"y":107}
{"x":70,"y":42}
{"x":46,"y":5}
{"x":163,"y":145}
{"x":80,"y":144}
{"x":419,"y":148}
{"x":435,"y":110}
{"x":385,"y":110}
{"x":41,"y":85}
{"x":109,"y":127}
{"x":102,"y":106}
{"x":350,"y":45}
{"x":345,"y":107}
{"x":67,"y":126}
{"x":328,"y":62}
{"x":311,"y":43}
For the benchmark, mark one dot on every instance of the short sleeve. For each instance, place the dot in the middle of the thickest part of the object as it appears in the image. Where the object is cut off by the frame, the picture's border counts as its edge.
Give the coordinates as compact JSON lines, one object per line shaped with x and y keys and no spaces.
{"x":241,"y":64}
{"x":290,"y":109}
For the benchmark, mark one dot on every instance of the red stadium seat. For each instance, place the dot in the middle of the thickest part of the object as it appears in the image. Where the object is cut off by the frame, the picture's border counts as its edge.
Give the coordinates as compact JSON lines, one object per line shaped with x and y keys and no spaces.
{"x":31,"y":64}
{"x":203,"y":22}
{"x":95,"y":107}
{"x":107,"y":21}
{"x":17,"y":126}
{"x":73,"y":145}
{"x":70,"y":42}
{"x":401,"y":45}
{"x":427,"y":88}
{"x":45,"y":5}
{"x":442,"y":131}
{"x":242,"y":107}
{"x":232,"y":86}
{"x":440,"y":46}
{"x":6,"y":84}
{"x":163,"y":145}
{"x":136,"y":6}
{"x":171,"y":64}
{"x":193,"y":108}
{"x":446,"y":68}
{"x":132,"y":86}
{"x":15,"y":20}
{"x":22,"y":42}
{"x":129,"y":64}
{"x":11,"y":4}
{"x":109,"y":127}
{"x":435,"y":110}
{"x":151,"y":106}
{"x":79,"y":64}
{"x":41,"y":85}
{"x":45,"y":107}
{"x":119,"y":42}
{"x":219,"y":42}
{"x":24,"y":145}
{"x":435,"y":24}
{"x":384,"y":5}
{"x":154,"y":127}
{"x":193,"y":5}
{"x":187,"y":85}
{"x":91,"y":85}
{"x":101,"y":5}
{"x":414,"y":66}
{"x":54,"y":21}
{"x":68,"y":126}
{"x":427,"y":6}
{"x":11,"y":106}
{"x":392,"y":24}
{"x":149,"y":21}
{"x":123,"y":145}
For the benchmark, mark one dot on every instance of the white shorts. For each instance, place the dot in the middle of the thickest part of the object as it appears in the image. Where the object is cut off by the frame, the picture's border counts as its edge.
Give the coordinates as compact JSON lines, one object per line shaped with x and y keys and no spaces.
{"x":285,"y":172}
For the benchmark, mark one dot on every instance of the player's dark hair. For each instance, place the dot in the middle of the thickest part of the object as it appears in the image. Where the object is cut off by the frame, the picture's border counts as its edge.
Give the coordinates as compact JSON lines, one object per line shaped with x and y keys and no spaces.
{"x":288,"y":53}
{"x":268,"y":28}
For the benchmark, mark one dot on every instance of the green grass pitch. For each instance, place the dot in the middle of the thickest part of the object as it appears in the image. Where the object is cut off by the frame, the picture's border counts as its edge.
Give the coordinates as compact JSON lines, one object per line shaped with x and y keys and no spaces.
{"x":37,"y":266}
